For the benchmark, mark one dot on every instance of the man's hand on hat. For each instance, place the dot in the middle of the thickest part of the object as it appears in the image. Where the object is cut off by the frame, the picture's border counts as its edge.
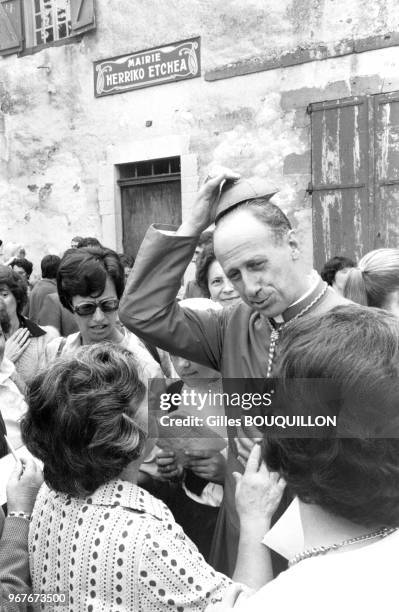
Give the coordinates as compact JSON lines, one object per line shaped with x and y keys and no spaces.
{"x":203,"y":213}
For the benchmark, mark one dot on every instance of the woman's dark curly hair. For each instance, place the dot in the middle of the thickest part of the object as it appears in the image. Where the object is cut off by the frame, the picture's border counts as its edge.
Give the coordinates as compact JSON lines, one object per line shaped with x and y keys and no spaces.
{"x":16,"y":284}
{"x":81,"y":418}
{"x":353,"y":473}
{"x":84,"y":271}
{"x":205,"y":259}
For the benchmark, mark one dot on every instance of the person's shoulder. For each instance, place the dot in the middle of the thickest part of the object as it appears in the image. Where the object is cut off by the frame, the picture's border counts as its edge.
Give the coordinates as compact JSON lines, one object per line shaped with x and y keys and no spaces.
{"x":238,"y":312}
{"x":44,"y":496}
{"x":330,"y":300}
{"x":52,"y":297}
{"x":51,"y":333}
{"x":71,"y":342}
{"x":132,"y":343}
{"x":36,"y":287}
{"x":336,"y":299}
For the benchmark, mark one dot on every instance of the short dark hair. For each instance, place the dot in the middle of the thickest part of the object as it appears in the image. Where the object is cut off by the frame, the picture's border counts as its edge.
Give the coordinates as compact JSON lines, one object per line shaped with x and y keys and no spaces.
{"x":4,"y":318}
{"x":50,"y":265}
{"x":88,"y":241}
{"x":16,"y":284}
{"x":23,"y":263}
{"x":84,"y":272}
{"x":267,"y":213}
{"x":205,"y":238}
{"x":127,"y":261}
{"x":81,"y":418}
{"x":205,"y":259}
{"x":333,"y":265}
{"x":355,"y":477}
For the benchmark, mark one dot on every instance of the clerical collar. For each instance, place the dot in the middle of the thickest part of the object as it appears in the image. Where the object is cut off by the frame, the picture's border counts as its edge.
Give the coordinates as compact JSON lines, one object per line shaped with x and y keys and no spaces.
{"x":294,"y":312}
{"x":316,"y":286}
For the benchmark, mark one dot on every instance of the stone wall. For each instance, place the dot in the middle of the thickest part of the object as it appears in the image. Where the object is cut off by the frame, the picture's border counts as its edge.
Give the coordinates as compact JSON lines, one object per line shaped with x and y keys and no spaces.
{"x":59,"y":144}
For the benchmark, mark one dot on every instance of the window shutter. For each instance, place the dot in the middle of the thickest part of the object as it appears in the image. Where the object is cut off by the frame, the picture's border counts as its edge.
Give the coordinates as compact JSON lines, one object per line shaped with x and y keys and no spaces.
{"x":10,"y":27}
{"x":342,"y":181}
{"x":386,"y":135}
{"x":82,"y":16}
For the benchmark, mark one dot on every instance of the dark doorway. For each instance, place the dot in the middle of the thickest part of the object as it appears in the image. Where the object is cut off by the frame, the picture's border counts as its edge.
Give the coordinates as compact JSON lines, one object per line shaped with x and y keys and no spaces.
{"x":150,"y":193}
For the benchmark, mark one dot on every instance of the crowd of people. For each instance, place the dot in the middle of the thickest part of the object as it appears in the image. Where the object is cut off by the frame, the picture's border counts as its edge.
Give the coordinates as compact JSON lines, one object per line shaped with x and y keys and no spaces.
{"x":115,"y":508}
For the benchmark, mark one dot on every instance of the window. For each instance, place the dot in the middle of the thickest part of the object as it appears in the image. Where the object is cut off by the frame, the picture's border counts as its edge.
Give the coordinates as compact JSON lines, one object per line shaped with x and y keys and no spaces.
{"x":150,"y":193}
{"x":29,"y":25}
{"x":153,"y":170}
{"x":52,"y":20}
{"x":355,"y":175}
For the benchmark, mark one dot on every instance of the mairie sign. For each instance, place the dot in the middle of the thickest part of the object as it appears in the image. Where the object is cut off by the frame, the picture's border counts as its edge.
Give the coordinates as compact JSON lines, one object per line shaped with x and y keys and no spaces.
{"x":174,"y":62}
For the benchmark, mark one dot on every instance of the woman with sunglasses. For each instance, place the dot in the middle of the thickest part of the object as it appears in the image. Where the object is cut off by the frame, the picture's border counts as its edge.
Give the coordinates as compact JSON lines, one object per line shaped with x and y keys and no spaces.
{"x":90,"y":282}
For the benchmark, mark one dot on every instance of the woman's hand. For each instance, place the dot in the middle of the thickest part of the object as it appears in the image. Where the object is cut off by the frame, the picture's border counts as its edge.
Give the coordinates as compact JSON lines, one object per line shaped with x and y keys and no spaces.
{"x":207,"y":464}
{"x":17,"y":344}
{"x":245,"y":444}
{"x":23,"y":485}
{"x":168,"y":466}
{"x":258,"y":491}
{"x":228,"y":601}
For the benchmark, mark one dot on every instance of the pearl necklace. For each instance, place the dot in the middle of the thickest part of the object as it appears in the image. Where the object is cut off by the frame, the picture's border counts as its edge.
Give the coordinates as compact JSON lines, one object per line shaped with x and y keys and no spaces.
{"x":322,"y":550}
{"x":274,"y":336}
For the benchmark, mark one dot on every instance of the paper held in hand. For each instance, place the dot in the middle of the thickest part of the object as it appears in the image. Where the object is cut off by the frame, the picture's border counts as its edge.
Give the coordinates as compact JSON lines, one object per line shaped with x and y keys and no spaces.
{"x":7,"y":465}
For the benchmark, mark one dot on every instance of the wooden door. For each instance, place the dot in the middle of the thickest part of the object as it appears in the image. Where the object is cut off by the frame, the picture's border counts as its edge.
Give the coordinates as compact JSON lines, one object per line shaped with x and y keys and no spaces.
{"x":342,"y":182}
{"x":386,"y":175}
{"x":147,"y":203}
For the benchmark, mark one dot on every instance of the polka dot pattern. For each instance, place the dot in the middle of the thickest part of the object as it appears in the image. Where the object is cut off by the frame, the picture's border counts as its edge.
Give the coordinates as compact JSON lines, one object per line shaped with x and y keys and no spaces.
{"x":119,"y":549}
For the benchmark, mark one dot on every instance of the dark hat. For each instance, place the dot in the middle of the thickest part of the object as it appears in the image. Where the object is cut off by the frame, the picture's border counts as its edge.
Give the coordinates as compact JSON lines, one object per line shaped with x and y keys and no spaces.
{"x":236,"y":192}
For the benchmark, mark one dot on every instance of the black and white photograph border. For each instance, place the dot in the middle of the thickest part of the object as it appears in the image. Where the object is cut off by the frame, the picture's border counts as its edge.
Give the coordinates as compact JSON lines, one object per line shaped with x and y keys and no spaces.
{"x":199,"y":302}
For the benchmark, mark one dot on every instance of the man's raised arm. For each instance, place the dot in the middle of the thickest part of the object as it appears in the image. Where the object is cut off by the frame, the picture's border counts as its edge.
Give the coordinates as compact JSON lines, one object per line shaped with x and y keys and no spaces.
{"x":149,"y":307}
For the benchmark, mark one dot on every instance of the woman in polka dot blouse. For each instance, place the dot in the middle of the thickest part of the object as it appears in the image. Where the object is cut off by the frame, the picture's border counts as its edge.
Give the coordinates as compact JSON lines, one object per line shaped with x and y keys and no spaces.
{"x":96,"y":536}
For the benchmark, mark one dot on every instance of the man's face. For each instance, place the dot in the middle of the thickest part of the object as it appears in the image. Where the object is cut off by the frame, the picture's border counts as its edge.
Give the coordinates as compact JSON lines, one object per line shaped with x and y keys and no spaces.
{"x":265,"y":272}
{"x":9,"y":301}
{"x":126,"y":271}
{"x":197,"y":253}
{"x":188,"y":370}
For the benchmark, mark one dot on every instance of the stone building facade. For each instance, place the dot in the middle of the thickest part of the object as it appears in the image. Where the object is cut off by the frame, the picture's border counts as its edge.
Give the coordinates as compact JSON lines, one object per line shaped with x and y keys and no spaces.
{"x":64,"y":151}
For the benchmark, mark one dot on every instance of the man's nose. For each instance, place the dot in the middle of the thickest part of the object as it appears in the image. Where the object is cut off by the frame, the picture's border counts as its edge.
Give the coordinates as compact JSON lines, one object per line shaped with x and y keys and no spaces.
{"x":252,"y":284}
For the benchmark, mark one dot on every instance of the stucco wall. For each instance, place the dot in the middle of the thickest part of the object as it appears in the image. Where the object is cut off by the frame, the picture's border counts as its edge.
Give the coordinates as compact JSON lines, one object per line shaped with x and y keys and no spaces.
{"x":58,"y":142}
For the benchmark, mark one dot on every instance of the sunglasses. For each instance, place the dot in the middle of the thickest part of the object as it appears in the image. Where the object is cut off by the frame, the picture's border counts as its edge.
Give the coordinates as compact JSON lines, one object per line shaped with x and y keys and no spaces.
{"x":86,"y":309}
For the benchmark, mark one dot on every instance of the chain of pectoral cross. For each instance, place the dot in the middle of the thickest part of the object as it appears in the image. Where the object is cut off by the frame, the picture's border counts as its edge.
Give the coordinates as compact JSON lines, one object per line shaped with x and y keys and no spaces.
{"x":275,"y":333}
